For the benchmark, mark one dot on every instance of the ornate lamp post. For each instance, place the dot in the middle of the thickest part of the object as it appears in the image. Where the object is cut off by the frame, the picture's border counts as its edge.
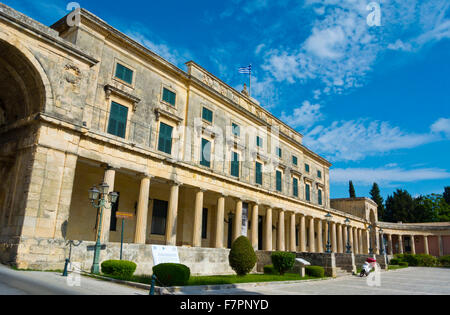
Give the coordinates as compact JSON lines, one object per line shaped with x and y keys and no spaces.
{"x":370,"y":240}
{"x":329,"y":217}
{"x":349,"y":247}
{"x":99,"y":199}
{"x":383,"y":242}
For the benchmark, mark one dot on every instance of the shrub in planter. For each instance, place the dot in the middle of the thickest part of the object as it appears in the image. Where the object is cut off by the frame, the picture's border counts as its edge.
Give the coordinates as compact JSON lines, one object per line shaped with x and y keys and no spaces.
{"x":270,"y":270}
{"x":119,"y":268}
{"x":445,"y":261}
{"x":283,"y":261}
{"x":315,"y":271}
{"x":242,"y":256}
{"x":170,"y":275}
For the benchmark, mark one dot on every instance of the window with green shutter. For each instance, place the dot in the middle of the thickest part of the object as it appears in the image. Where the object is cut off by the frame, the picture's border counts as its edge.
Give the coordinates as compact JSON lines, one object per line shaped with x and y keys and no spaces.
{"x":206,"y":153}
{"x":259,"y":142}
{"x":165,"y":138}
{"x":207,"y":115}
{"x":124,"y":74}
{"x":258,"y":171}
{"x":320,"y":197}
{"x":279,"y":181}
{"x":319,"y":174}
{"x":169,"y":97}
{"x":236,"y":130}
{"x":294,"y":160}
{"x":308,"y":192}
{"x":307,"y":168}
{"x":295,"y":187}
{"x":279,"y":152}
{"x":118,"y":116}
{"x":235,"y":164}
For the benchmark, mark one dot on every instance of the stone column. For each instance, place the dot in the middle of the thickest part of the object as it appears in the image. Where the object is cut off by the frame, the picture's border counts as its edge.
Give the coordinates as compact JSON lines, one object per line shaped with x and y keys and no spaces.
{"x":198,"y":219}
{"x":140,"y":236}
{"x":172,"y":215}
{"x":413,"y":245}
{"x":325,"y":236}
{"x":292,"y":243}
{"x":356,"y":241}
{"x":303,"y":234}
{"x":367,"y":242}
{"x":390,"y":245}
{"x":340,"y":239}
{"x":110,"y":176}
{"x":312,"y":239}
{"x":220,"y":221}
{"x":333,"y":237}
{"x":360,"y":243}
{"x":400,"y":244}
{"x":237,"y":222}
{"x":255,"y":221}
{"x":425,"y":241}
{"x":281,"y":232}
{"x":319,"y":236}
{"x":268,"y":229}
{"x":352,"y":242}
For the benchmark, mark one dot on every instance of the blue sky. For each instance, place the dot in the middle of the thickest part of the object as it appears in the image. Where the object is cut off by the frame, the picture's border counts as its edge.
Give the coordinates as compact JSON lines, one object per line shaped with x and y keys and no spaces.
{"x":375,"y":101}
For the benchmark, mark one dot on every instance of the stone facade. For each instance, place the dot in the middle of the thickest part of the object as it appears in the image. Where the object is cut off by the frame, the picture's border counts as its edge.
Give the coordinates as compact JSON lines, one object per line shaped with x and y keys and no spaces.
{"x":58,"y":89}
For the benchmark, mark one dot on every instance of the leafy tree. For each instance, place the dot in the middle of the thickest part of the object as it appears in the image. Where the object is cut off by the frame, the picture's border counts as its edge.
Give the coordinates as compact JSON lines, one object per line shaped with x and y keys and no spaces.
{"x":447,"y":195}
{"x":399,"y":207}
{"x":352,"y":190}
{"x":242,"y":257}
{"x":424,"y":210}
{"x":376,"y":196}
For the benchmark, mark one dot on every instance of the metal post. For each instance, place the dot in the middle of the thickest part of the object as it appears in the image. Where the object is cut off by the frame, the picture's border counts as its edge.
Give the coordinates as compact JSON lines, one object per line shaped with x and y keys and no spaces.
{"x":121,"y":240}
{"x":152,"y":287}
{"x":66,"y":266}
{"x":96,"y":266}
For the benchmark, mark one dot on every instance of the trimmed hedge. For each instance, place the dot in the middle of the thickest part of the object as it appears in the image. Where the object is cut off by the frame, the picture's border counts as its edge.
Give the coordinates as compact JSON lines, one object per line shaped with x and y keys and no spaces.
{"x":242,"y":256}
{"x":119,"y":268}
{"x":445,"y":261}
{"x":315,"y":271}
{"x":418,"y":260}
{"x":170,"y":275}
{"x":283,"y":261}
{"x":270,"y":270}
{"x":403,"y":264}
{"x":394,"y":262}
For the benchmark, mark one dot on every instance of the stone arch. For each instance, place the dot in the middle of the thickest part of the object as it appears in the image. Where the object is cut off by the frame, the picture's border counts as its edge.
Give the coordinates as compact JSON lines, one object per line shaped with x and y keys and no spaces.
{"x":24,"y":86}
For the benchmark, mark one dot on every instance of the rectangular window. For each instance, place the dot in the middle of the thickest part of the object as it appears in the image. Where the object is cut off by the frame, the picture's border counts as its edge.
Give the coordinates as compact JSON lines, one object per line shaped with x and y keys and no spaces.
{"x":159,"y":217}
{"x":308,"y":192}
{"x":205,"y":224}
{"x":165,"y":138}
{"x":117,"y":125}
{"x":169,"y":97}
{"x":259,"y":178}
{"x":295,"y":187}
{"x":235,"y":164}
{"x":320,"y":197}
{"x":279,"y":152}
{"x":207,"y":115}
{"x":206,"y":153}
{"x":124,"y":74}
{"x":307,"y":168}
{"x":279,"y":181}
{"x":294,"y":160}
{"x":114,"y":210}
{"x":236,"y":130}
{"x":259,"y":142}
{"x":319,"y":174}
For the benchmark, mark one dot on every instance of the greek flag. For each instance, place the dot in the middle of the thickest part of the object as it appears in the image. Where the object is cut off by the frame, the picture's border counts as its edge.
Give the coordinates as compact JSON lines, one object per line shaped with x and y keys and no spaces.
{"x":246,"y":70}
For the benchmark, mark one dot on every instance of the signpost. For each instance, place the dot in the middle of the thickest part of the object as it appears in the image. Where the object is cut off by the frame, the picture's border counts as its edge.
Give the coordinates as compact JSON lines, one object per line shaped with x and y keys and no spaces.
{"x":124,"y":216}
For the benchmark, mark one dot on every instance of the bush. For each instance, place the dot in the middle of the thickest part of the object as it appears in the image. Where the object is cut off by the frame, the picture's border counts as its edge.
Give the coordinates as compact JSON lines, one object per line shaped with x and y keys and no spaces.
{"x":424,"y":260}
{"x":270,"y":270}
{"x":403,"y":264}
{"x":394,"y":262}
{"x":315,"y":271}
{"x":170,"y":275}
{"x":242,"y":256}
{"x":283,"y":261}
{"x":445,"y":261}
{"x":412,"y":260}
{"x":119,"y":268}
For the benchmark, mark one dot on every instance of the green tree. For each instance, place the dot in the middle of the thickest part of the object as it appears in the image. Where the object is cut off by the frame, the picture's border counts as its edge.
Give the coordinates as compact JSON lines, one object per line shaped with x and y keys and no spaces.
{"x":242,"y":257}
{"x":352,"y":190}
{"x":447,"y":194}
{"x":400,"y":207}
{"x":376,"y":196}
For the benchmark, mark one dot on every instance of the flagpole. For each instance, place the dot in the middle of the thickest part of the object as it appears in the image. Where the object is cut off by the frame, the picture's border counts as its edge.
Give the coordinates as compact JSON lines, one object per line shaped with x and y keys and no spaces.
{"x":250,"y":88}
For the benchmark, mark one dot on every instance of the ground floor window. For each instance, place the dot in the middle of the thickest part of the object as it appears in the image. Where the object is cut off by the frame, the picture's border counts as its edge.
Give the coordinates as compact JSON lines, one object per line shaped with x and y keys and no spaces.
{"x":159,"y":217}
{"x":205,"y":224}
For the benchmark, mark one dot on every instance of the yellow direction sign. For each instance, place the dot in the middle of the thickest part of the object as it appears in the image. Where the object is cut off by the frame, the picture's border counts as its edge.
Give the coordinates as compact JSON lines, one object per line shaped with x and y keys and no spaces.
{"x":124,"y":215}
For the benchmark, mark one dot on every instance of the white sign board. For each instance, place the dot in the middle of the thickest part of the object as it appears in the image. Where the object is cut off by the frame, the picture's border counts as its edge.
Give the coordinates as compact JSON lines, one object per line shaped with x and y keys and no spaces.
{"x":165,"y":255}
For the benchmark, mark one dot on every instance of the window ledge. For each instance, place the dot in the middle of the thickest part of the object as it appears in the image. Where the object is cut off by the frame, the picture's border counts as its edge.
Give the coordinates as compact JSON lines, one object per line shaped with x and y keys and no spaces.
{"x":109,"y":89}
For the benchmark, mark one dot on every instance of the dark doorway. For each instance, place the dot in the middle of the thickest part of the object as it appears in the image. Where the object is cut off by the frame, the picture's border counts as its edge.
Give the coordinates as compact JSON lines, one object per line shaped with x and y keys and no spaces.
{"x":230,"y":231}
{"x":260,"y":233}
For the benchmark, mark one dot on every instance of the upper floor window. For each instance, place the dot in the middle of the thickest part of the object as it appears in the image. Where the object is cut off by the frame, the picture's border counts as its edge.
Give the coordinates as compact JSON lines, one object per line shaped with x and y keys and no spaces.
{"x":259,"y":142}
{"x":319,"y":197}
{"x":206,"y":153}
{"x":279,"y":181}
{"x":207,"y":115}
{"x":319,"y":174}
{"x":294,"y":160}
{"x":258,"y":175}
{"x":165,"y":138}
{"x":279,"y":152}
{"x":308,"y":192}
{"x":236,"y":130}
{"x":118,"y":117}
{"x":235,"y":164}
{"x":169,"y":97}
{"x":307,"y":168}
{"x":295,"y":187}
{"x":123,"y":73}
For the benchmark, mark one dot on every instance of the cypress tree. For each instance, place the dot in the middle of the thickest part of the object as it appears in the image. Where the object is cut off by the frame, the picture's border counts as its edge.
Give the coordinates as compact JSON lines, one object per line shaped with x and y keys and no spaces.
{"x":352,"y":190}
{"x":376,"y":196}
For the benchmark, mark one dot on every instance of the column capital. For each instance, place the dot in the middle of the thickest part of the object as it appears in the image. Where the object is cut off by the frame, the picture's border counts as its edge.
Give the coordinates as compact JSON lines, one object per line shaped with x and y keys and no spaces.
{"x":109,"y":167}
{"x":175,"y":183}
{"x":145,"y":175}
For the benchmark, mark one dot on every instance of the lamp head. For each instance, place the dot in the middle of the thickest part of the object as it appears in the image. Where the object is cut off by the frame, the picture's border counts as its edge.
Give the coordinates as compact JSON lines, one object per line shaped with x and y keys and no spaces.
{"x":113,"y":196}
{"x":104,"y":188}
{"x":94,"y":194}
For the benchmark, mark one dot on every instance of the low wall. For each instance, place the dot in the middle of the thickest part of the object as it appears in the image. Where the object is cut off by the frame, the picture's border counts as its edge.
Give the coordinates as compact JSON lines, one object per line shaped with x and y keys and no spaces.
{"x":346,"y":262}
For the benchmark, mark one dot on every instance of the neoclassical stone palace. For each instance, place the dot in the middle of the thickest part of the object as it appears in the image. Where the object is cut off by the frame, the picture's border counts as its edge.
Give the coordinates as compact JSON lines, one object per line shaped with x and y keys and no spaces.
{"x":196,"y":163}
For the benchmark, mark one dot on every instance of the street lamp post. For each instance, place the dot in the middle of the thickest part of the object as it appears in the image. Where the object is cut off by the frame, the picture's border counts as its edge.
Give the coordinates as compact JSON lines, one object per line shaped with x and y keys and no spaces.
{"x":349,"y":247}
{"x":329,"y":217}
{"x":383,"y":244}
{"x":99,"y":199}
{"x":370,"y":240}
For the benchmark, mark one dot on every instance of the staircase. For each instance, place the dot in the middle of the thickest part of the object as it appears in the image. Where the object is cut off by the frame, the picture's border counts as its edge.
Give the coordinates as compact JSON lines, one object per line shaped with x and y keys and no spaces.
{"x":342,"y":272}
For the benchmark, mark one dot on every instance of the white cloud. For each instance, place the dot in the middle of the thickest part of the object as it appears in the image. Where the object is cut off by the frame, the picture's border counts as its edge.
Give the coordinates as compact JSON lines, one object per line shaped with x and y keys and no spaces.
{"x":400,"y":45}
{"x":305,"y":116}
{"x":442,"y":126}
{"x":367,"y":176}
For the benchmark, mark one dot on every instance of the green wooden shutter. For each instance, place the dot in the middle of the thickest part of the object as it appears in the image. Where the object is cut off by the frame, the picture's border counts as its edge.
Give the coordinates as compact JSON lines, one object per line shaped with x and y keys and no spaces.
{"x":124,"y":74}
{"x":117,"y":125}
{"x":165,"y":138}
{"x":206,"y":153}
{"x":279,"y":181}
{"x":235,"y":165}
{"x":308,"y":193}
{"x":259,"y":174}
{"x":320,"y":197}
{"x":295,"y":187}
